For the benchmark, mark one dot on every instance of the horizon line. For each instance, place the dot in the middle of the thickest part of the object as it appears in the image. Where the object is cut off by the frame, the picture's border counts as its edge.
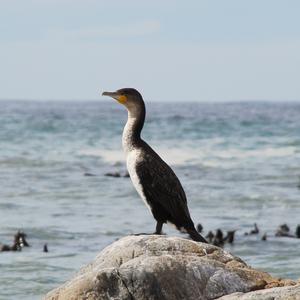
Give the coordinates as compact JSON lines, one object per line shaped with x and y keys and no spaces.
{"x":100,"y":100}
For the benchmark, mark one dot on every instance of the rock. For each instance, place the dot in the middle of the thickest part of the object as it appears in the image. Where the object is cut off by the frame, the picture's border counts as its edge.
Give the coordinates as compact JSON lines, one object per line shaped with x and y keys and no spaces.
{"x":117,"y":174}
{"x":278,"y":293}
{"x":89,"y":174}
{"x":113,"y":174}
{"x":4,"y":248}
{"x":159,"y":267}
{"x":283,"y":230}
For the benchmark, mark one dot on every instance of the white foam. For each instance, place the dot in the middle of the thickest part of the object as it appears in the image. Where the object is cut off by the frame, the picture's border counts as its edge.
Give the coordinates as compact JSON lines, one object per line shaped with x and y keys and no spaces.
{"x":175,"y":156}
{"x":206,"y":155}
{"x":110,"y":156}
{"x":263,"y":152}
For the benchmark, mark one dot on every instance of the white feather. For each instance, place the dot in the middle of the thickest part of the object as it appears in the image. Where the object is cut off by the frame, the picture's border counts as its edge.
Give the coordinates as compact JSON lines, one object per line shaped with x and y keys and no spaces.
{"x":133,"y":156}
{"x":132,"y":160}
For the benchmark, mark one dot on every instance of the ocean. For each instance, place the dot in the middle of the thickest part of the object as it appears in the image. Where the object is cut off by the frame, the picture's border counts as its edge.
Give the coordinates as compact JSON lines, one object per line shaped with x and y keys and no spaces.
{"x":239,"y":164}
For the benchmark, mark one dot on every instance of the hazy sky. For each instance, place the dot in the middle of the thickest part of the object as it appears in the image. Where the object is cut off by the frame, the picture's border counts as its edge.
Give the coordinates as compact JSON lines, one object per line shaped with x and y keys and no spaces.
{"x":169,"y":50}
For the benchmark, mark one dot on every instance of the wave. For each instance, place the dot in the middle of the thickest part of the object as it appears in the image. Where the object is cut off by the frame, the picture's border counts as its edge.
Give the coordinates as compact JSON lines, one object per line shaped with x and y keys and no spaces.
{"x":263,"y":152}
{"x":109,"y":156}
{"x":19,"y":161}
{"x":207,"y":156}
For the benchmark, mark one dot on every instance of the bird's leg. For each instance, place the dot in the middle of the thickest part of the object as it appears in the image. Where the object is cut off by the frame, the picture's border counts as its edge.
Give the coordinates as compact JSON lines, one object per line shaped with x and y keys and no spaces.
{"x":158,"y":228}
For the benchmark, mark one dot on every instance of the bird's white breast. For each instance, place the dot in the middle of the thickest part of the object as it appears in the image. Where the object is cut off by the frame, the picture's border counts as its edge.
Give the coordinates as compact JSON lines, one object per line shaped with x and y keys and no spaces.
{"x":133,"y":157}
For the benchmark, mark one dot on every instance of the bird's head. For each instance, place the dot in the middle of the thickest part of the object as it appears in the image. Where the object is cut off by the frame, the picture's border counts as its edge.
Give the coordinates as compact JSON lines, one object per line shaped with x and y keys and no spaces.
{"x":129,"y":97}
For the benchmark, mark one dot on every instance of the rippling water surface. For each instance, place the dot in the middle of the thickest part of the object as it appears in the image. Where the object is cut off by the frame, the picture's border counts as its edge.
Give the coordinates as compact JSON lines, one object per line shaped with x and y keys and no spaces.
{"x":239,"y":164}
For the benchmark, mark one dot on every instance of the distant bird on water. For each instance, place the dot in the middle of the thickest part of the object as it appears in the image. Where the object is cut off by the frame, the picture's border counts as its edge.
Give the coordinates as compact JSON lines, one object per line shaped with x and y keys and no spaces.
{"x":153,"y":179}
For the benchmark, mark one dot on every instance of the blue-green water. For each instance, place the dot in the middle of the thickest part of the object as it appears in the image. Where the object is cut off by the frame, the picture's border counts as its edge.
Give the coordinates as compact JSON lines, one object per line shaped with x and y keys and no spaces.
{"x":239,"y":164}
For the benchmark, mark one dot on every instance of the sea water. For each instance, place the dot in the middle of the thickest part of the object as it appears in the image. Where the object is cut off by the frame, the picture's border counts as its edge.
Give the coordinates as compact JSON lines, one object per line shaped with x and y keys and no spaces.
{"x":239,"y":164}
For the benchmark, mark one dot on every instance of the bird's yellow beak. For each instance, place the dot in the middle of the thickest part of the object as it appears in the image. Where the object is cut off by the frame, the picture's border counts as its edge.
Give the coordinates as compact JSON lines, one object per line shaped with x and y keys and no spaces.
{"x":120,"y":98}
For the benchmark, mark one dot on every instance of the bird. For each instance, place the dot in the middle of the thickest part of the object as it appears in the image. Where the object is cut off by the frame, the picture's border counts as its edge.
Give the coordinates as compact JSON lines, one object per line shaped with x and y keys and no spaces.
{"x":218,"y":238}
{"x":298,"y":231}
{"x":199,"y":227}
{"x":19,"y":243}
{"x":210,"y":236}
{"x":255,"y":230}
{"x":45,"y":248}
{"x":264,"y":237}
{"x":230,"y":236}
{"x":152,"y":177}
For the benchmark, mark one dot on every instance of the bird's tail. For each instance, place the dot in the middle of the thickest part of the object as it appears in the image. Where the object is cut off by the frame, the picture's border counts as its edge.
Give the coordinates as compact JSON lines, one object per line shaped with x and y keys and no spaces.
{"x":196,"y":236}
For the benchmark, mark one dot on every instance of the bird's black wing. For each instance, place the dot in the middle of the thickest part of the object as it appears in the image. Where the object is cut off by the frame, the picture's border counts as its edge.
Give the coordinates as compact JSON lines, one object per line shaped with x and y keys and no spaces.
{"x":163,"y":189}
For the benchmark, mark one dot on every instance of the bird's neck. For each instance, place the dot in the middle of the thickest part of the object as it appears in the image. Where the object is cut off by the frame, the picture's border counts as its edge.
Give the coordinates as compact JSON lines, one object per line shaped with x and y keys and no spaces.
{"x":132,"y":130}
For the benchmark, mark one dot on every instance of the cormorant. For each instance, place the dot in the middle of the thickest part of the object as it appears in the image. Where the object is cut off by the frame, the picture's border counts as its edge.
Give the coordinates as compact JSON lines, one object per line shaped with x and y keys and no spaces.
{"x":45,"y":248}
{"x":255,"y":230}
{"x":20,"y":238}
{"x":264,"y":237}
{"x":219,"y":238}
{"x":230,"y":236}
{"x":210,"y":236}
{"x":19,"y":243}
{"x":154,"y":180}
{"x":298,"y":231}
{"x":199,"y":227}
{"x":283,"y":230}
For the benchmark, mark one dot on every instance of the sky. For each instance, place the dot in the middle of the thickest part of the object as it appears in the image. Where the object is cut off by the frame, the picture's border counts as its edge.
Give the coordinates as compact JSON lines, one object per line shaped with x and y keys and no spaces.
{"x":191,"y":50}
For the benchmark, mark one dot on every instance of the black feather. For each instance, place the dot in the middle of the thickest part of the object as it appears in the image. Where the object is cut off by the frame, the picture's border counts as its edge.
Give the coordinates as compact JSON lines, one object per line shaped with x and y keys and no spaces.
{"x":162,"y":189}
